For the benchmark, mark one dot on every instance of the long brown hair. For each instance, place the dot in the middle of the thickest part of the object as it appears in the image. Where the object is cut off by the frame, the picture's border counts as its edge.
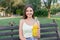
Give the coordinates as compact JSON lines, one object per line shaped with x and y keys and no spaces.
{"x":24,"y":11}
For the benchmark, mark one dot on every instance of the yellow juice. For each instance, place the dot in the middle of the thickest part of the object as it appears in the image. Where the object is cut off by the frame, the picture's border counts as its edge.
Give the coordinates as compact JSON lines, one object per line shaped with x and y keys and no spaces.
{"x":34,"y":30}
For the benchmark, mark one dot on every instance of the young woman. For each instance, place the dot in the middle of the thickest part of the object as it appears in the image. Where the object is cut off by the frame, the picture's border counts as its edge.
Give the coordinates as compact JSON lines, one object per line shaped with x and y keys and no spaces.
{"x":26,"y":24}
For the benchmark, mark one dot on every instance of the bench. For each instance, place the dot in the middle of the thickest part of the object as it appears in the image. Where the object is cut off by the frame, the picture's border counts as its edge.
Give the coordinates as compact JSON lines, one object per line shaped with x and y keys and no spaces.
{"x":49,"y":31}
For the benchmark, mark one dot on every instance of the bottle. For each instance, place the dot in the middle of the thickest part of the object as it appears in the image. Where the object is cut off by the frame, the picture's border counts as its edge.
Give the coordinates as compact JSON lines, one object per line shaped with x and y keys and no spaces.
{"x":34,"y":30}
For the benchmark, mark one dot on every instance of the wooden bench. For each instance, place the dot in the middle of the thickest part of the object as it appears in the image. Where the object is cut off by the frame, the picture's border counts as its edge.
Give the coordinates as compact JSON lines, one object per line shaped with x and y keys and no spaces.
{"x":49,"y":31}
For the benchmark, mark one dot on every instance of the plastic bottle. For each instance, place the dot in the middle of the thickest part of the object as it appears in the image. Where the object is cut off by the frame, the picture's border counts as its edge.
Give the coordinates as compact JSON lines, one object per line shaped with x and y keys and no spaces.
{"x":34,"y":30}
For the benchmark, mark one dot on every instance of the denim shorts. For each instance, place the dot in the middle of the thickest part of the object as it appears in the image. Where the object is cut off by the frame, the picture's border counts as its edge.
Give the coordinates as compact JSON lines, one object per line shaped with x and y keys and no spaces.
{"x":31,"y":38}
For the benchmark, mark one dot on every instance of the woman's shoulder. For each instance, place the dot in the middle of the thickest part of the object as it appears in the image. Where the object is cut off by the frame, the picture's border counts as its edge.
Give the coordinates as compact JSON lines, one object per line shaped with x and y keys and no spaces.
{"x":37,"y":21}
{"x":22,"y":20}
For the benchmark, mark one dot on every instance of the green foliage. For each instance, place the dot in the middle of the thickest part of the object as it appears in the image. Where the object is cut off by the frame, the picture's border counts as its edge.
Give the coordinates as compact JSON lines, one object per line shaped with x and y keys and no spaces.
{"x":42,"y":12}
{"x":54,"y":1}
{"x":9,"y":8}
{"x":55,"y":10}
{"x":19,"y":12}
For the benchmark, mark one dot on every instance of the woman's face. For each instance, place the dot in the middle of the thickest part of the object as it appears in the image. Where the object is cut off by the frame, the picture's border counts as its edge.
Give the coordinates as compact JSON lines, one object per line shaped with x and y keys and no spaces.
{"x":29,"y":12}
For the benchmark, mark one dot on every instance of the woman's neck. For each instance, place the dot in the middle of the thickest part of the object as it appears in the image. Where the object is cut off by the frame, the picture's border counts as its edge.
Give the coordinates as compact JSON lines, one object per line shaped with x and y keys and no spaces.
{"x":29,"y":18}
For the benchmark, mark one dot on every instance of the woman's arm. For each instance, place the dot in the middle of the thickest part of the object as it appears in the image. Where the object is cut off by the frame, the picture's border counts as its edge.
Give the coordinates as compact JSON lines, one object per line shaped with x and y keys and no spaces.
{"x":21,"y":31}
{"x":38,"y":29}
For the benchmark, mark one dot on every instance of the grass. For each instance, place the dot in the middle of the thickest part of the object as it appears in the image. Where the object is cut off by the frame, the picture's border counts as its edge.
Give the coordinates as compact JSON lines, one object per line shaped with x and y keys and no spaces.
{"x":7,"y":21}
{"x":16,"y":20}
{"x":55,"y":16}
{"x":42,"y":20}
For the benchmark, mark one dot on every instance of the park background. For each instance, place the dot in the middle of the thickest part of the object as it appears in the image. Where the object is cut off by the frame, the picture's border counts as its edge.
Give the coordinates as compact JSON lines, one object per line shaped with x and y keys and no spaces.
{"x":45,"y":11}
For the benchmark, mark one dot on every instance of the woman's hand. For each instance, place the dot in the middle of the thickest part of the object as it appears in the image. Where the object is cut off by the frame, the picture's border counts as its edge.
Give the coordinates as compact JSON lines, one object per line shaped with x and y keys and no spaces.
{"x":23,"y":39}
{"x":38,"y":33}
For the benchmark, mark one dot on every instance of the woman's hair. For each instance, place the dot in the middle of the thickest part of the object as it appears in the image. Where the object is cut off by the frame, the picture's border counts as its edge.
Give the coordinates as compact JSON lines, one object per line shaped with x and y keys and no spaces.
{"x":24,"y":11}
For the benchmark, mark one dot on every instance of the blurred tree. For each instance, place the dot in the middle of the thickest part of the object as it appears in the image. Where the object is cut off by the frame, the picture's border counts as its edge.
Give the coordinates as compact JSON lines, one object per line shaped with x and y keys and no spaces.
{"x":7,"y":4}
{"x":54,"y":1}
{"x":18,"y":5}
{"x":48,"y":6}
{"x":3,"y":3}
{"x":12,"y":5}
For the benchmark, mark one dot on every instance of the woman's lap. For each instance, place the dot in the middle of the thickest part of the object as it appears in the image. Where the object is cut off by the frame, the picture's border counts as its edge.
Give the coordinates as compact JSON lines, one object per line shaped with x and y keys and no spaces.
{"x":31,"y":38}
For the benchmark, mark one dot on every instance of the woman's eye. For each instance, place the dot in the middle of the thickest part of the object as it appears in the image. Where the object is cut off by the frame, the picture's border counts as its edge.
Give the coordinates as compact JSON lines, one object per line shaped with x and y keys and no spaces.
{"x":30,"y":10}
{"x":26,"y":10}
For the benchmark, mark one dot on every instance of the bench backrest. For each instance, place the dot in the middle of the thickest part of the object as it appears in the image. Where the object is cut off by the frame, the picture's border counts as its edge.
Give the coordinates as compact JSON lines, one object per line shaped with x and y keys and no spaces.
{"x":48,"y":32}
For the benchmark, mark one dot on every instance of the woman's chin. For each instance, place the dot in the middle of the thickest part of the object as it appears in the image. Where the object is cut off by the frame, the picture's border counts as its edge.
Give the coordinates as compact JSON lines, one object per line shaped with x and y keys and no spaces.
{"x":29,"y":17}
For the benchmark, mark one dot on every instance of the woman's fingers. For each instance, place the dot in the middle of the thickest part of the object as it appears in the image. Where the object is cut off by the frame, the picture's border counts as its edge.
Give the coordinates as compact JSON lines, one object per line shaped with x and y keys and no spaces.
{"x":38,"y":33}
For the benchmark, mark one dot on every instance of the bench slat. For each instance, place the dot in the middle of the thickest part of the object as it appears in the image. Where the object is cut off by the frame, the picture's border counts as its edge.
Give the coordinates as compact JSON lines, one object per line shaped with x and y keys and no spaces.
{"x":10,"y":38}
{"x":48,"y":30}
{"x":8,"y":33}
{"x":50,"y":39}
{"x":48,"y":25}
{"x":8,"y":27}
{"x":48,"y":35}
